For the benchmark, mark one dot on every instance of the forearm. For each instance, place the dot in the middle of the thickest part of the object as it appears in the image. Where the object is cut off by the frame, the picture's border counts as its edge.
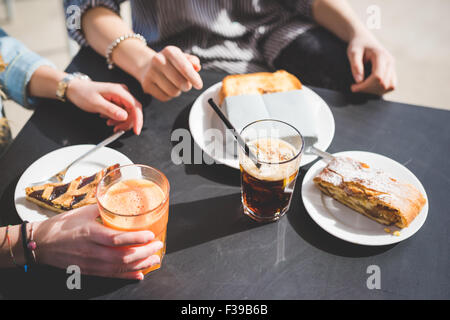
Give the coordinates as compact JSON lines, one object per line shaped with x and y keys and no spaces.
{"x":338,"y":17}
{"x":44,"y":82}
{"x":101,"y":27}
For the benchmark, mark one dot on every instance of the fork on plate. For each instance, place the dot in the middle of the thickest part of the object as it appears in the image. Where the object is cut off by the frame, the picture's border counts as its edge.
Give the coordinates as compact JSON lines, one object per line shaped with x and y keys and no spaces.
{"x":59,"y":176}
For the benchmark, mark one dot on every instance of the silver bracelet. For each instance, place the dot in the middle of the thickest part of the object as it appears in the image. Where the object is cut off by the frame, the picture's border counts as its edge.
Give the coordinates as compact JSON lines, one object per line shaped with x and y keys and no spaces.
{"x":116,"y":42}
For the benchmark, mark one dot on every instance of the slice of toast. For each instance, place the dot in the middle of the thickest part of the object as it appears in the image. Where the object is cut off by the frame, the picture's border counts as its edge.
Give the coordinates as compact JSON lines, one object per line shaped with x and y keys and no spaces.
{"x":258,"y":83}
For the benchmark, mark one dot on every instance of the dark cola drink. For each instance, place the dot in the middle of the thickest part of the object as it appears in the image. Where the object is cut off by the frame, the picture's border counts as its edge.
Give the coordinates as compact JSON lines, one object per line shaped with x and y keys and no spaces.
{"x":267,"y":190}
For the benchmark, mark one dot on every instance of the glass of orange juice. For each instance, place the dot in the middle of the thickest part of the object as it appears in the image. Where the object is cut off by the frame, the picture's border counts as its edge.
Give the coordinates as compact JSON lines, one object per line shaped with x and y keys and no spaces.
{"x":133,"y":198}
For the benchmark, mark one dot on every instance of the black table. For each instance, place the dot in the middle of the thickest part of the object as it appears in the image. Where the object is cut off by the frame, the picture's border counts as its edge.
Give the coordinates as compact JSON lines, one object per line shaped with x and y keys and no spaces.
{"x":213,"y":250}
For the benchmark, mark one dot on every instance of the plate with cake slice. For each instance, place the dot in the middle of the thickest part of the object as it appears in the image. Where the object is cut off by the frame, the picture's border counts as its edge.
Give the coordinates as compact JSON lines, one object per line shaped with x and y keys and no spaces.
{"x":245,"y":98}
{"x":37,"y":203}
{"x":365,"y":198}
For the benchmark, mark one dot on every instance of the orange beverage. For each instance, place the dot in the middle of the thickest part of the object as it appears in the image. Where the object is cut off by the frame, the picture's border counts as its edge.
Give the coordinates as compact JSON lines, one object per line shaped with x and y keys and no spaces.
{"x":133,"y":198}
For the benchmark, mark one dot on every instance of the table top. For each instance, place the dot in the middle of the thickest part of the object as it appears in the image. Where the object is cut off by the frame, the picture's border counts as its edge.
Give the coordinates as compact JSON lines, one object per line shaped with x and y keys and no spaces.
{"x":213,"y":250}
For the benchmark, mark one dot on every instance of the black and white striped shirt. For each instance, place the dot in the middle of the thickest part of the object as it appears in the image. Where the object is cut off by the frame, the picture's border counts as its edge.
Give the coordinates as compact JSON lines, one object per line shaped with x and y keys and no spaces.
{"x":234,"y":36}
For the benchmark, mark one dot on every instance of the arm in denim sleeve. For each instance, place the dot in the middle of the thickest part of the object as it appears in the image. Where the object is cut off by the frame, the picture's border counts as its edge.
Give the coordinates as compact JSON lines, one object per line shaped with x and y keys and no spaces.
{"x":304,"y":7}
{"x":75,"y":9}
{"x":21,"y":63}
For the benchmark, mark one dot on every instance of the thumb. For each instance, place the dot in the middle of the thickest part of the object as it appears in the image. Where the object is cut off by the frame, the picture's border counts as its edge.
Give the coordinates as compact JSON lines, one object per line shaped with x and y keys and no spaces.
{"x":355,"y":56}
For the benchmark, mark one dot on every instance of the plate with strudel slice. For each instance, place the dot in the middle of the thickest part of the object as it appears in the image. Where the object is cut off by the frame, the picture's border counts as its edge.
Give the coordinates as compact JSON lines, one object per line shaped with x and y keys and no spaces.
{"x":365,"y":198}
{"x":37,"y":203}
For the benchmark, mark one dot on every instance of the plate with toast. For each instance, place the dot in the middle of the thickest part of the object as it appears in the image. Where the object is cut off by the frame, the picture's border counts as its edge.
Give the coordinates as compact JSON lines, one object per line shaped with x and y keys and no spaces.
{"x":245,"y":98}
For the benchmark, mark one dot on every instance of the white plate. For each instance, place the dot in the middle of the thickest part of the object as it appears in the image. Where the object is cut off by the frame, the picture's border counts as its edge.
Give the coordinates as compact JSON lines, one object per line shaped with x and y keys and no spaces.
{"x":202,"y":117}
{"x":57,"y":160}
{"x":347,"y":224}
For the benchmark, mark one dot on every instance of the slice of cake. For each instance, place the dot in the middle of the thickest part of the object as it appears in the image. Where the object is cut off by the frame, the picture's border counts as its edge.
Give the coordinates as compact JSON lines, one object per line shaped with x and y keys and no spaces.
{"x":370,"y":192}
{"x":60,"y":197}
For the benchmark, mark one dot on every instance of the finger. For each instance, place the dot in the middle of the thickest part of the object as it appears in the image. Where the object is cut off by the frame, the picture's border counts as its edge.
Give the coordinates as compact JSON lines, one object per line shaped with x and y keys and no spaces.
{"x":195,"y":61}
{"x":156,"y":92}
{"x":394,"y":79}
{"x":165,"y":84}
{"x":133,"y":275}
{"x":127,"y":124}
{"x":133,"y":238}
{"x":111,"y":110}
{"x":390,"y":79}
{"x":119,"y":93}
{"x":142,"y":252}
{"x":135,"y":120}
{"x":174,"y":76}
{"x":143,"y":264}
{"x":110,"y":122}
{"x":122,"y":257}
{"x":131,"y":104}
{"x":391,"y":75}
{"x":123,"y":126}
{"x":120,"y":125}
{"x":183,"y":65}
{"x":109,"y":237}
{"x":375,"y":83}
{"x":138,"y":117}
{"x":355,"y":56}
{"x":114,"y":269}
{"x":363,"y":86}
{"x":380,"y":67}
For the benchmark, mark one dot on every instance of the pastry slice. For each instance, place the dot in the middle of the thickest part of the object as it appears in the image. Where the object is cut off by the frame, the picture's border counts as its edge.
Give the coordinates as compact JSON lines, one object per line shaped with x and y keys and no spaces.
{"x":258,"y":83}
{"x":60,"y":197}
{"x":370,"y":192}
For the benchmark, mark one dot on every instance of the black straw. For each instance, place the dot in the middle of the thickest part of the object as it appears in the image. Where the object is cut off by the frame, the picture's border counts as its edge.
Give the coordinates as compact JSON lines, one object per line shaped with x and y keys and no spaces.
{"x":239,"y":139}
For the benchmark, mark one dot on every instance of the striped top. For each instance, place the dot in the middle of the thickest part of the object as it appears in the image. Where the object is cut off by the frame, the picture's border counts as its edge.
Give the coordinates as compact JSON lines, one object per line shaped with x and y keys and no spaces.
{"x":235,"y":36}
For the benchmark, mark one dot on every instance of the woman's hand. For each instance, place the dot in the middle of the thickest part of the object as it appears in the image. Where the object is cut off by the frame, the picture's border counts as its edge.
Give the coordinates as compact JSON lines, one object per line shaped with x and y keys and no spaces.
{"x":76,"y":238}
{"x":110,"y":100}
{"x":363,"y":48}
{"x":169,"y":72}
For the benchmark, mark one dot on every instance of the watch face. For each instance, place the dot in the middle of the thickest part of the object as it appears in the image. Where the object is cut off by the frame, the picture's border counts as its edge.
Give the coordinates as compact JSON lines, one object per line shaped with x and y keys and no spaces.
{"x":62,"y":88}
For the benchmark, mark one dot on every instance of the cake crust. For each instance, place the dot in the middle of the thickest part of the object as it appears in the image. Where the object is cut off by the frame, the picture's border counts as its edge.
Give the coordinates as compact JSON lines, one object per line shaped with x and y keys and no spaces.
{"x":370,"y":192}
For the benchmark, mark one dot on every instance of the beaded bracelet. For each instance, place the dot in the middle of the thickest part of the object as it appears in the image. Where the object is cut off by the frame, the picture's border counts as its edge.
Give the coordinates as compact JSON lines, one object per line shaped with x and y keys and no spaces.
{"x":116,"y":42}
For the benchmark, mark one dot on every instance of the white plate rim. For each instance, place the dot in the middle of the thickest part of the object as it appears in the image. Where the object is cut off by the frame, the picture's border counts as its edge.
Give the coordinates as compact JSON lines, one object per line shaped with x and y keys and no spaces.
{"x":19,"y":192}
{"x":212,"y":91}
{"x":367,"y":240}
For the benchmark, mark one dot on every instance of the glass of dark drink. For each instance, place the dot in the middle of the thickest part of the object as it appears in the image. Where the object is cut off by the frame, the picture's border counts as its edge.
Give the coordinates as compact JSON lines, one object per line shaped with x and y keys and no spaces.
{"x":267,"y":188}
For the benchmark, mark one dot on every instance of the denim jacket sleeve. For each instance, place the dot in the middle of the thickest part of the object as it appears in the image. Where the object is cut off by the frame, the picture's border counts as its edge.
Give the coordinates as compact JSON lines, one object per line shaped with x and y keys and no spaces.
{"x":21,"y":63}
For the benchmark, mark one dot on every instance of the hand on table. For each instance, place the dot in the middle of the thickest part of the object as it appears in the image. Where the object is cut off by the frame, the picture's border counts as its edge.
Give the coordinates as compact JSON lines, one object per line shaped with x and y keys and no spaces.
{"x":383,"y":78}
{"x":111,"y":100}
{"x":169,"y":72}
{"x":76,"y":238}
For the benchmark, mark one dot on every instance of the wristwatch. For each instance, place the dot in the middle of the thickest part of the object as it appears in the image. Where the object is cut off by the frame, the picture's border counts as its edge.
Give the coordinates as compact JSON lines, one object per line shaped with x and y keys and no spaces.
{"x":61,"y":91}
